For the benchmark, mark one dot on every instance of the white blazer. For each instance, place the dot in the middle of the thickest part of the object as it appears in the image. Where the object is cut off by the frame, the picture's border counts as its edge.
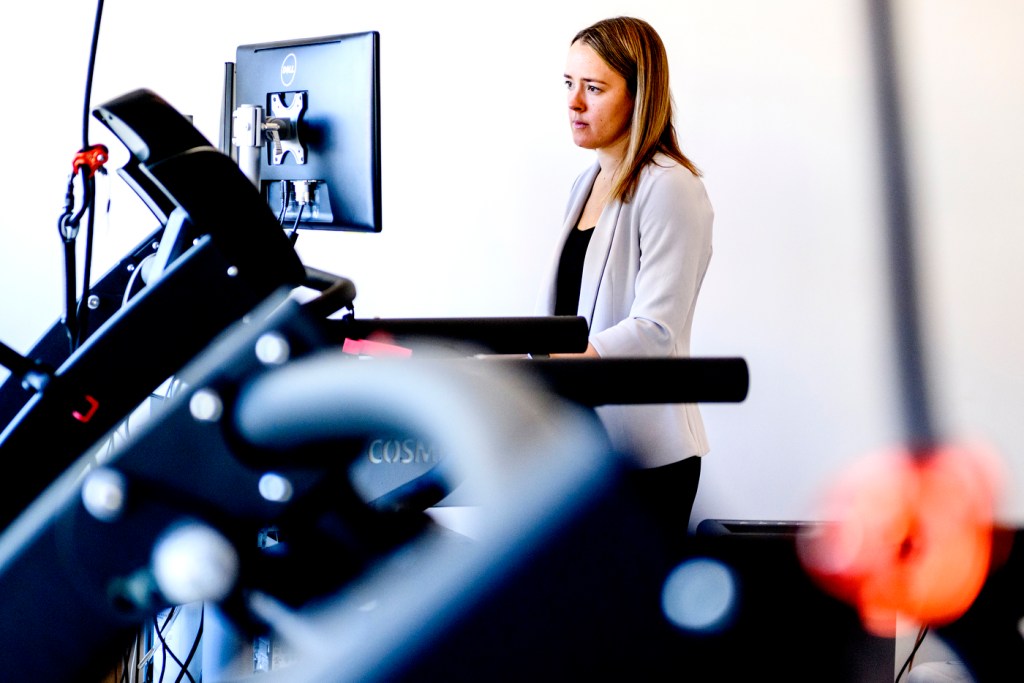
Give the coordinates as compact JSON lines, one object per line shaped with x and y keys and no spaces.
{"x":641,"y":276}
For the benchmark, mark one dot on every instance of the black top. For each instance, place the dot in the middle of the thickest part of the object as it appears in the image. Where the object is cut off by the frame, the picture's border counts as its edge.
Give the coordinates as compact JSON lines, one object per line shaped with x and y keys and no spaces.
{"x":570,"y":272}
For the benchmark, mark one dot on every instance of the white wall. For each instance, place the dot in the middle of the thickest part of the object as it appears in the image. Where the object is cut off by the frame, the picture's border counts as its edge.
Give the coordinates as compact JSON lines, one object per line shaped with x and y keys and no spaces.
{"x":775,"y":103}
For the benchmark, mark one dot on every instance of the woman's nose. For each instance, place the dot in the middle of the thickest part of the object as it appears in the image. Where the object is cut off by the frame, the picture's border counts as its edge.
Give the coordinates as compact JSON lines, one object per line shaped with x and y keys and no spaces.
{"x":575,"y":101}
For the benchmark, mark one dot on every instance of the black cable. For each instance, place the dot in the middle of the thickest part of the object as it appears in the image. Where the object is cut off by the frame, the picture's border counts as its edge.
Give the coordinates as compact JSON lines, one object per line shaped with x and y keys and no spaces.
{"x":88,"y":179}
{"x":165,"y":648}
{"x":89,"y":74}
{"x":163,"y":663}
{"x":68,"y":223}
{"x":195,"y":646}
{"x":294,"y":235}
{"x":284,"y":202}
{"x":910,"y":658}
{"x":70,"y":297}
{"x":83,"y":304}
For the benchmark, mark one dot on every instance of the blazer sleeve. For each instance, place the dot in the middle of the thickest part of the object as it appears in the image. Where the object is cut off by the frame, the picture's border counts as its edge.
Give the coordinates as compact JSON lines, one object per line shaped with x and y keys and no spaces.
{"x":670,"y":222}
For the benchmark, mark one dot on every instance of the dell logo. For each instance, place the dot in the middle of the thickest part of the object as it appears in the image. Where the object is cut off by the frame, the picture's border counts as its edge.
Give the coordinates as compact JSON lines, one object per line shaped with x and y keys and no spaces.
{"x":288,"y":68}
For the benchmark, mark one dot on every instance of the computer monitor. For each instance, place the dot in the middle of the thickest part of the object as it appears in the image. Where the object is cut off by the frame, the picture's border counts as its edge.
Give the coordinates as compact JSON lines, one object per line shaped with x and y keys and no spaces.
{"x":315,"y":104}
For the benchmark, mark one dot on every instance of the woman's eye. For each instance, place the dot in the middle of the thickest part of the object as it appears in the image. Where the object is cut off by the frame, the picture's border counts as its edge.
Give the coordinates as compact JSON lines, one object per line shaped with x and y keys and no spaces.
{"x":592,"y":88}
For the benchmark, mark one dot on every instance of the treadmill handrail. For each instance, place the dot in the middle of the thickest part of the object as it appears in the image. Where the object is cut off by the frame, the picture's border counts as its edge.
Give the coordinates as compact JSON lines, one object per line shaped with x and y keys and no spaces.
{"x":614,"y":381}
{"x":498,"y":334}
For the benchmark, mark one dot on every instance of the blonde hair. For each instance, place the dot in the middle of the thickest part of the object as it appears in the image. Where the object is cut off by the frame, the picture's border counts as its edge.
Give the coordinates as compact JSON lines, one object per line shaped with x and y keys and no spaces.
{"x":634,"y":50}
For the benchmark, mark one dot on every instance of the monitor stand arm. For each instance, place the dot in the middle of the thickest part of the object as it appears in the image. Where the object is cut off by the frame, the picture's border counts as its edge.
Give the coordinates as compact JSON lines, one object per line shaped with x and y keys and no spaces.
{"x":247,"y":126}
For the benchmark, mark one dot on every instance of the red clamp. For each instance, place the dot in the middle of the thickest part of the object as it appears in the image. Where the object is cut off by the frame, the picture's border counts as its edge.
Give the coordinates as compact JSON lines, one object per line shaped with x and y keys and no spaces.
{"x":92,"y":158}
{"x":90,"y":405}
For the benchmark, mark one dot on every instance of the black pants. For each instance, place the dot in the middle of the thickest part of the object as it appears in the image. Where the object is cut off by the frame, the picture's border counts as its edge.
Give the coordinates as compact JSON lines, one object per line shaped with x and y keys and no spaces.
{"x":667,"y":494}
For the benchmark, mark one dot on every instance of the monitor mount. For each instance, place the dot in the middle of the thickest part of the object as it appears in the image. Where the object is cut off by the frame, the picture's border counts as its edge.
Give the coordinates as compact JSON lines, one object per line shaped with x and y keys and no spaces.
{"x":252,"y":130}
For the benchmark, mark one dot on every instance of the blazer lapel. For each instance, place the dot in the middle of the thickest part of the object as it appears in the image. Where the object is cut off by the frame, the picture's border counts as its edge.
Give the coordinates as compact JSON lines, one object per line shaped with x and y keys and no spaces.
{"x":598,"y":253}
{"x":578,"y":200}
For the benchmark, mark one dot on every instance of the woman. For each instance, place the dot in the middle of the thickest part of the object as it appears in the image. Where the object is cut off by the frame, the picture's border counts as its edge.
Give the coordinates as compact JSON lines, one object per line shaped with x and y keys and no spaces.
{"x":637,"y":242}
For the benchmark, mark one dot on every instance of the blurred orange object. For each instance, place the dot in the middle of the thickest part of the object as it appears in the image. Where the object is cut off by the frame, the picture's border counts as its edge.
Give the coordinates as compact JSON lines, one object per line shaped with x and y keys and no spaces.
{"x":908,"y":533}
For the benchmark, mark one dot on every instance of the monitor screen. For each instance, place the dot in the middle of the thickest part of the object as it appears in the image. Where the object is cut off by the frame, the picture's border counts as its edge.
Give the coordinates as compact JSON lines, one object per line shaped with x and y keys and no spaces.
{"x":318,"y":105}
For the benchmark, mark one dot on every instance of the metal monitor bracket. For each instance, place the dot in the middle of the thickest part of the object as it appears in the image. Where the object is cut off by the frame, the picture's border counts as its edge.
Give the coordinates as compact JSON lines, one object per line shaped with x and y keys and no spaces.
{"x":250,"y":129}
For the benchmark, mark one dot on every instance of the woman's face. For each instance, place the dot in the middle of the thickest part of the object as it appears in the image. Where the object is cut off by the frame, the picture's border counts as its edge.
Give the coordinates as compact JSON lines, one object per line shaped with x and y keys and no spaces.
{"x":600,"y":105}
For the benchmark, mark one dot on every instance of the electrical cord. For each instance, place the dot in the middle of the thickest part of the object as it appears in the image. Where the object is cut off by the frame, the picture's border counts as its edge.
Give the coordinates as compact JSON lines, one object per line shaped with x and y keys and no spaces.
{"x":163,"y":654}
{"x":293,"y":236}
{"x":909,"y":663}
{"x":89,"y":74}
{"x":82,"y":313}
{"x":88,"y":178}
{"x":86,"y":163}
{"x":167,"y":651}
{"x":70,"y":258}
{"x":195,"y":646}
{"x":284,"y":203}
{"x":136,"y":274}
